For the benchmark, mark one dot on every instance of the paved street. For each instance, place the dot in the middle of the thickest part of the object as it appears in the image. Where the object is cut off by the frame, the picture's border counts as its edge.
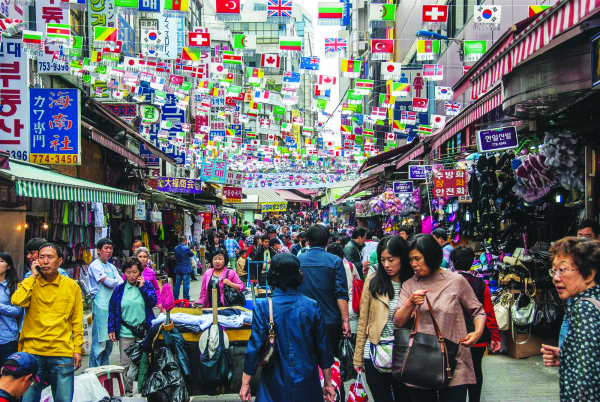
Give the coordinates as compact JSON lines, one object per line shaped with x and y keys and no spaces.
{"x":505,"y":379}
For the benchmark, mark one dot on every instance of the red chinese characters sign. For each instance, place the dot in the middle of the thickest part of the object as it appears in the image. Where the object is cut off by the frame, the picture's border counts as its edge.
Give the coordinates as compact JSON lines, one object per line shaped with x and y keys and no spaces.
{"x":450,"y":183}
{"x":233,"y":195}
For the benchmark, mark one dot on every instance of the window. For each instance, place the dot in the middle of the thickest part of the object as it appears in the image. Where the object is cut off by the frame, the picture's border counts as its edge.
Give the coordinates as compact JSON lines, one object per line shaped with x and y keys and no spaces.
{"x":259,"y":7}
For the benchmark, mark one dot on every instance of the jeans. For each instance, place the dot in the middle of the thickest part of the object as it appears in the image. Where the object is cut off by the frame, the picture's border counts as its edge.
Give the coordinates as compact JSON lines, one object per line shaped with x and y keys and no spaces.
{"x":475,"y":389}
{"x":186,"y":286}
{"x":383,"y":386}
{"x":7,"y":349}
{"x":450,"y":394}
{"x":58,"y":372}
{"x":100,"y":352}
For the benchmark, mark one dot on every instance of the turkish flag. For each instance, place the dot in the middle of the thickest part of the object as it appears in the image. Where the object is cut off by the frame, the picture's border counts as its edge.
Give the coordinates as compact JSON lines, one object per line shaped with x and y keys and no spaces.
{"x":228,"y":6}
{"x":435,"y":13}
{"x":421,"y":103}
{"x":382,"y":45}
{"x":176,"y":79}
{"x":230,"y":101}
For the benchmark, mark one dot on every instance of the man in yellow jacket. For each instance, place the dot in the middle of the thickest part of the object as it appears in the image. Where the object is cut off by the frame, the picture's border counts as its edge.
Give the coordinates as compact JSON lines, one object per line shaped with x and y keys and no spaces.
{"x":53,"y":327}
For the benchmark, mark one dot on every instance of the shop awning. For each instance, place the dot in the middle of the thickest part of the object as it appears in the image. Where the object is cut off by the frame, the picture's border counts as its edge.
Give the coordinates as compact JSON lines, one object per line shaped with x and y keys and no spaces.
{"x":112,"y":144}
{"x":363,"y":185}
{"x":552,"y":22}
{"x":41,"y":182}
{"x":388,"y":157}
{"x":307,"y":192}
{"x":474,"y":111}
{"x":291,"y":197}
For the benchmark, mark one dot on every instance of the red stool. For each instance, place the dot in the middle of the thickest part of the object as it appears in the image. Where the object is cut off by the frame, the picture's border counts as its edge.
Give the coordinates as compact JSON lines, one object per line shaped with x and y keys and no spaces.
{"x":111,"y":377}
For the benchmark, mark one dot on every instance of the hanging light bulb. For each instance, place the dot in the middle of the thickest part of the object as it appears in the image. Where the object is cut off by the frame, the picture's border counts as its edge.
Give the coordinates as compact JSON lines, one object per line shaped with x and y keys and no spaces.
{"x":19,"y":227}
{"x":468,"y":216}
{"x":25,"y":225}
{"x":45,"y":226}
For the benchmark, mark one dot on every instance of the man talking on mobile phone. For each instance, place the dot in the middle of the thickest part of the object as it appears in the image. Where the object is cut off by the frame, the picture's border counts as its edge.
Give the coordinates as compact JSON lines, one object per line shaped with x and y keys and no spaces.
{"x":53,"y":326}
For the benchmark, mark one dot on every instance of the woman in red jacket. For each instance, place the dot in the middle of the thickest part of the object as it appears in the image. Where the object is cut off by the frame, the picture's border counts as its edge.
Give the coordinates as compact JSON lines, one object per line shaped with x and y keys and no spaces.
{"x":462,"y":257}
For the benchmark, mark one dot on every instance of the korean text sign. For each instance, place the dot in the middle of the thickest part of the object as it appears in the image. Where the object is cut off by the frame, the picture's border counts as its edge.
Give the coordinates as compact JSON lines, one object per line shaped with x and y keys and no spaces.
{"x":233,"y":194}
{"x":55,"y":126}
{"x":497,"y":139}
{"x":14,"y":81}
{"x":214,"y":171}
{"x":403,"y":187}
{"x":450,"y":183}
{"x":273,"y":206}
{"x":179,"y":185}
{"x":419,"y":172}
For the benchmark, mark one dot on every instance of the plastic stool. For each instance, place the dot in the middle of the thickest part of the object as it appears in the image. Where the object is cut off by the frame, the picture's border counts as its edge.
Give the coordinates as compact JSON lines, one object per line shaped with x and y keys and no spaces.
{"x":111,"y":377}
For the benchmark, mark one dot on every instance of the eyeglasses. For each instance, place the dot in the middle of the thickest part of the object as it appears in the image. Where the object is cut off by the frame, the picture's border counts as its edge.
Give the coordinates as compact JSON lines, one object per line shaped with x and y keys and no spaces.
{"x":560,"y":272}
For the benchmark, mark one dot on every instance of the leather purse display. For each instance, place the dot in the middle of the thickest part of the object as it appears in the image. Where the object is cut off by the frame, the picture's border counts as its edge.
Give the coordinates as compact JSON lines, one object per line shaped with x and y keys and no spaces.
{"x":423,"y":360}
{"x":502,"y":311}
{"x":268,"y":350}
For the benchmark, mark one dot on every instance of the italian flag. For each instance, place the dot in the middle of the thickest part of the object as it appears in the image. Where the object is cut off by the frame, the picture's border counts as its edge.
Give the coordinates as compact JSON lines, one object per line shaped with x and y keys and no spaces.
{"x":58,"y":31}
{"x":32,"y":37}
{"x":290,"y":43}
{"x":331,"y":10}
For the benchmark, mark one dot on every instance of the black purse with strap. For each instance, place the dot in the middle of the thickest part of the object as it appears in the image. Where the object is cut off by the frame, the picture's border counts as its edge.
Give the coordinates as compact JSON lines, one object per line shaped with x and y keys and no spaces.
{"x":423,"y":360}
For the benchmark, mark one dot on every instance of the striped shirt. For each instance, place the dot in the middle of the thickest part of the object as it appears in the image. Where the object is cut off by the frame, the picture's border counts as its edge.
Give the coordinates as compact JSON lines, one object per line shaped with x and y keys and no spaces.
{"x":388,"y":329}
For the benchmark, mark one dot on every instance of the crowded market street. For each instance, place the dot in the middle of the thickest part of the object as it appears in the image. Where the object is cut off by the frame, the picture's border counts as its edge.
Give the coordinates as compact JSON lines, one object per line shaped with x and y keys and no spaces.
{"x":299,"y":201}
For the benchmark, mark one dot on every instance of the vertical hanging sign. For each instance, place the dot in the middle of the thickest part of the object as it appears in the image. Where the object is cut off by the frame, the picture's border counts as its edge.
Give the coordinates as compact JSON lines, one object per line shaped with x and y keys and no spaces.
{"x":14,"y":81}
{"x":55,"y":119}
{"x":169,"y":26}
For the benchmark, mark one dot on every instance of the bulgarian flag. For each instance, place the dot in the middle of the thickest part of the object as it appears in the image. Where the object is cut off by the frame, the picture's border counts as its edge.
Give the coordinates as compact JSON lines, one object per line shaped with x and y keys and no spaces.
{"x":58,"y":32}
{"x":290,"y":44}
{"x":32,"y":37}
{"x":189,"y":54}
{"x":177,"y":5}
{"x":330,"y":13}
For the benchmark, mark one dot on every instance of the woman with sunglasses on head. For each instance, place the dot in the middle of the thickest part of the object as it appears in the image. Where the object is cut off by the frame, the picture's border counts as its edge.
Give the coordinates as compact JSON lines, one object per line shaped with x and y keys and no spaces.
{"x":575,"y":262}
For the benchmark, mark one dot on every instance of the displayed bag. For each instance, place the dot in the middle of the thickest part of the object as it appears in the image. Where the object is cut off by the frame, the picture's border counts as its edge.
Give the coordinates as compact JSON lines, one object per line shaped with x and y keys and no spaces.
{"x":502,"y":311}
{"x":548,"y":317}
{"x":357,"y":289}
{"x":140,"y":211}
{"x":336,"y":380}
{"x":268,"y":350}
{"x":139,"y":331}
{"x":381,"y":354}
{"x":233,"y":297}
{"x":346,"y":352}
{"x":240,"y":266}
{"x":423,"y":360}
{"x":165,"y":382}
{"x":155,"y":215}
{"x":214,"y":370}
{"x":523,"y":310}
{"x":358,"y":390}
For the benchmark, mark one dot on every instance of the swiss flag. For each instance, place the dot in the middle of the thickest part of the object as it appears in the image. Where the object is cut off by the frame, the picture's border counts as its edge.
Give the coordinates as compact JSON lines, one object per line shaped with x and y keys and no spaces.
{"x":228,"y":6}
{"x":269,"y":60}
{"x":198,"y":39}
{"x":435,"y":13}
{"x":382,"y":45}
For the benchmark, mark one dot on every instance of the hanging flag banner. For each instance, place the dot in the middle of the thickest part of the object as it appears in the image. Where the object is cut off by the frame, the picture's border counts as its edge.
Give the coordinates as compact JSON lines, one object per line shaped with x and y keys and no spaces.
{"x":433,"y":72}
{"x":14,"y":126}
{"x":214,"y":171}
{"x":444,"y":93}
{"x":474,"y":49}
{"x":233,"y":195}
{"x":290,"y":46}
{"x":382,"y":49}
{"x":533,"y":10}
{"x":382,"y":15}
{"x":279,"y":11}
{"x":452,"y":108}
{"x":330,"y":13}
{"x":335,"y":47}
{"x":435,"y":17}
{"x":55,"y":126}
{"x":244,"y":43}
{"x":179,"y":185}
{"x":309,"y":65}
{"x":487,"y":17}
{"x":228,"y":10}
{"x":427,"y":49}
{"x":351,"y":68}
{"x":391,"y":71}
{"x":438,"y":121}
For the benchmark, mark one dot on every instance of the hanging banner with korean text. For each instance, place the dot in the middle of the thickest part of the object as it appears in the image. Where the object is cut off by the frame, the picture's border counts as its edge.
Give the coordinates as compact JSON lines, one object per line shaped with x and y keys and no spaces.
{"x":234,"y":178}
{"x":55,"y":121}
{"x":497,"y":139}
{"x":273,"y":207}
{"x":450,"y":183}
{"x":14,"y":81}
{"x":214,"y":171}
{"x":179,"y":185}
{"x":233,"y":195}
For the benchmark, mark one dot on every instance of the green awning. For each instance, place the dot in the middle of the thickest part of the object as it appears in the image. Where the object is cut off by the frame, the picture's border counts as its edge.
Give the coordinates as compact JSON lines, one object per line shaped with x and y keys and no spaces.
{"x":40,"y":182}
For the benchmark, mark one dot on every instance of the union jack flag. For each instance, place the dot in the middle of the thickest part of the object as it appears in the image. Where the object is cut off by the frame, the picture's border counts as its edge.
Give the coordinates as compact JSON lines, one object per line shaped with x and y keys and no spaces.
{"x":279,"y":8}
{"x":452,"y":107}
{"x":335,"y":45}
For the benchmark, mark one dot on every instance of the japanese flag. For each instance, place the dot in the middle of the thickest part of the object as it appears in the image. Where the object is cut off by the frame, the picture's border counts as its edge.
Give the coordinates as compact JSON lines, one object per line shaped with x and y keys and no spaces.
{"x":216,"y":69}
{"x":438,"y":121}
{"x":131,"y":63}
{"x":391,"y":70}
{"x":255,"y":142}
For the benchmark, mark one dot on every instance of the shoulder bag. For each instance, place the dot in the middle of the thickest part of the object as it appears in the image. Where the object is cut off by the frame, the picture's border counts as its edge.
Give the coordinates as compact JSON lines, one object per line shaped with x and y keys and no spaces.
{"x":268,"y":350}
{"x":423,"y":360}
{"x":215,"y":370}
{"x":523,"y":313}
{"x":155,"y":215}
{"x":232,"y":297}
{"x":381,"y":354}
{"x":502,"y":311}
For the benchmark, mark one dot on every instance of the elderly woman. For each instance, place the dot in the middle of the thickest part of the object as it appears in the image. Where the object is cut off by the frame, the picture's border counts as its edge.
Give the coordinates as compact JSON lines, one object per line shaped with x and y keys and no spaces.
{"x":575,"y":275}
{"x":142,"y":254}
{"x":301,"y":345}
{"x":452,"y":299}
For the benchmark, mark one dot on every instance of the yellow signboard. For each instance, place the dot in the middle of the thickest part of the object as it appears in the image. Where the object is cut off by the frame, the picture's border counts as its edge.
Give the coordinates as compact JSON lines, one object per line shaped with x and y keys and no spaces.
{"x":273,"y":206}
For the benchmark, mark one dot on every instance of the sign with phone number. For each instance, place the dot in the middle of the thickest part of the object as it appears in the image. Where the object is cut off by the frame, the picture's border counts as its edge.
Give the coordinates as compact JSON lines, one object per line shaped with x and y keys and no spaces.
{"x":54,"y":159}
{"x":49,"y":67}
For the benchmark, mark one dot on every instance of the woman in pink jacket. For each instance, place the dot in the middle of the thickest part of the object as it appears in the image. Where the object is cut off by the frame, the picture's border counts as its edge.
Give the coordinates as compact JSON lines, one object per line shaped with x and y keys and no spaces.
{"x":216,"y":278}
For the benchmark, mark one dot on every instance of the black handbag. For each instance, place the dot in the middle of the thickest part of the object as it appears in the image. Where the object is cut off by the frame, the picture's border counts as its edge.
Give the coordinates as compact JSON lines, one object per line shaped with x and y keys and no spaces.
{"x":267,"y":350}
{"x":139,"y":331}
{"x":423,"y":360}
{"x":233,"y":297}
{"x":215,"y":371}
{"x":548,"y":317}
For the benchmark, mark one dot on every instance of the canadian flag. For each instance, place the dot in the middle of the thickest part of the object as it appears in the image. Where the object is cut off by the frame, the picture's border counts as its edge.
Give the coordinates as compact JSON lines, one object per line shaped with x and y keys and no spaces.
{"x":390,"y":137}
{"x":198,"y":39}
{"x":327,"y":80}
{"x":435,"y":13}
{"x":270,"y":60}
{"x":271,"y":137}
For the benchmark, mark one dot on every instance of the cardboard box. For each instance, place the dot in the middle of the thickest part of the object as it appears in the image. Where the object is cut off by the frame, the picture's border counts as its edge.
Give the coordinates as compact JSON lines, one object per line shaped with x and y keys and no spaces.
{"x":530,"y":348}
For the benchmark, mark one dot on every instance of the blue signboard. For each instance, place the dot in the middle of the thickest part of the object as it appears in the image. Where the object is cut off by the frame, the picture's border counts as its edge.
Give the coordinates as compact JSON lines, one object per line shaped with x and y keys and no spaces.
{"x":171,"y":113}
{"x":497,"y":139}
{"x":419,"y":172}
{"x":127,"y":36}
{"x":422,"y":118}
{"x":214,"y":171}
{"x":149,"y":6}
{"x":403,"y":187}
{"x":347,"y":9}
{"x":55,"y":121}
